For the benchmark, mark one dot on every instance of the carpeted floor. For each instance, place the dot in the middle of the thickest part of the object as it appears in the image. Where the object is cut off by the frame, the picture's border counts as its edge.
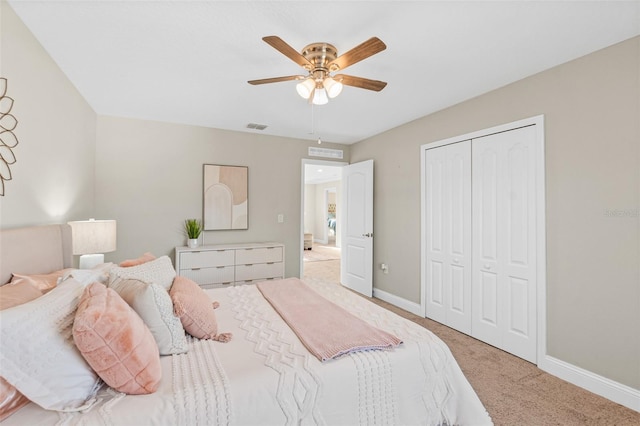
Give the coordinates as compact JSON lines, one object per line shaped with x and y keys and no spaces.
{"x":514,"y":392}
{"x":322,"y":262}
{"x":320,"y":252}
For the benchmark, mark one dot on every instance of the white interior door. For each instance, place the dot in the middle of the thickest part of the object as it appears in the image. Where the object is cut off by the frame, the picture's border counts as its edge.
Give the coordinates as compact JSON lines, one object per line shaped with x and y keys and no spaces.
{"x":356,"y":270}
{"x":504,"y":241}
{"x":448,"y":235}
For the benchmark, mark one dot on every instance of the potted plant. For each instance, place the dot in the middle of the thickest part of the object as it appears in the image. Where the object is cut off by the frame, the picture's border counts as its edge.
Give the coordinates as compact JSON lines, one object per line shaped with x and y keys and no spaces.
{"x":193,"y":229}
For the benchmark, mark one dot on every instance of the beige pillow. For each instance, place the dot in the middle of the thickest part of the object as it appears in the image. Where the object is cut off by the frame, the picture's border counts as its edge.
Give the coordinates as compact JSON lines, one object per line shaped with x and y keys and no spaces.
{"x":153,"y":304}
{"x":159,"y":271}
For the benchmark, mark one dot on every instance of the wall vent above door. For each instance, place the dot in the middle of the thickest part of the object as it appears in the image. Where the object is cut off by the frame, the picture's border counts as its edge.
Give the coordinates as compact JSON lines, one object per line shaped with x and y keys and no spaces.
{"x":325,"y":152}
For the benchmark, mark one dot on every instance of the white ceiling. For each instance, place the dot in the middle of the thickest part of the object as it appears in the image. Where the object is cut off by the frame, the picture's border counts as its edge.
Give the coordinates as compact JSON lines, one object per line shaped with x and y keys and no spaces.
{"x":316,"y":173}
{"x":189,"y":61}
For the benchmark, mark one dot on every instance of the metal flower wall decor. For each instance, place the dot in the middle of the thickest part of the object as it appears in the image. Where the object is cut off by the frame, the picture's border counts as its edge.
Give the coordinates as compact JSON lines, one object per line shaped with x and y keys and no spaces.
{"x":8,"y":139}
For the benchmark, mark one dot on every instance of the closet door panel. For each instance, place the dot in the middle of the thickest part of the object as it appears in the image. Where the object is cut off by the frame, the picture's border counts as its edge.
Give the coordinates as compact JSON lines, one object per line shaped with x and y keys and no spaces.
{"x":448,"y":236}
{"x":504,"y":240}
{"x":436,"y":215}
{"x":458,"y":303}
{"x":520,"y":243}
{"x":458,"y":232}
{"x":486,"y":293}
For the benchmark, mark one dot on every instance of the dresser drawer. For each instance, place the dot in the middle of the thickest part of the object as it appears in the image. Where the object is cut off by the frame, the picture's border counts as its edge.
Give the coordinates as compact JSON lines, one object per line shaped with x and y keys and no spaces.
{"x":259,"y":271}
{"x":208,"y":258}
{"x":258,"y":255}
{"x":207,"y":276}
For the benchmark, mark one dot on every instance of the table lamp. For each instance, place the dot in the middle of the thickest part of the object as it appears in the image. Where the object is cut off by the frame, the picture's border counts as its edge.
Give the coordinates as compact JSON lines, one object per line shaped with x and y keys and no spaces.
{"x":91,"y":239}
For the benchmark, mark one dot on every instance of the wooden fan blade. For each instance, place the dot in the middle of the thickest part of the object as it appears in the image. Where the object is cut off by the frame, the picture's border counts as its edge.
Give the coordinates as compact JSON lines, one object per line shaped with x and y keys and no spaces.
{"x":276,"y":79}
{"x":362,"y":51}
{"x":362,"y":83}
{"x":282,"y":47}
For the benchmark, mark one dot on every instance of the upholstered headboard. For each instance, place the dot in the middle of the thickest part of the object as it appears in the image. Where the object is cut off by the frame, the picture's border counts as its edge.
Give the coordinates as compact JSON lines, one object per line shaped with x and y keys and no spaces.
{"x":34,"y":250}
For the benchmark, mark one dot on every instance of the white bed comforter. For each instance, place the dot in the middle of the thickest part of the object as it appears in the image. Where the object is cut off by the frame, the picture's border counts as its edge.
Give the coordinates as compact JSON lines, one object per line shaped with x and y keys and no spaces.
{"x":265,"y":376}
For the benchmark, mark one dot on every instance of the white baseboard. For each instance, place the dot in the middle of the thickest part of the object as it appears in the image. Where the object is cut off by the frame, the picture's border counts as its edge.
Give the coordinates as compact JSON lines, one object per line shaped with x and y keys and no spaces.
{"x":607,"y":388}
{"x":401,"y":303}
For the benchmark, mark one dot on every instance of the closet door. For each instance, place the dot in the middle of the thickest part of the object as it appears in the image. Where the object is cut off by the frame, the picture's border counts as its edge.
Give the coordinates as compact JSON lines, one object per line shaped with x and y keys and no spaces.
{"x":504,"y":245}
{"x":448,"y":235}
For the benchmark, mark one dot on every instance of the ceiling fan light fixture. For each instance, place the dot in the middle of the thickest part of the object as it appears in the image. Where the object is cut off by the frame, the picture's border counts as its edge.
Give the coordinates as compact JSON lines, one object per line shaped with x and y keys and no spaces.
{"x":305,"y":87}
{"x":320,"y":96}
{"x":332,"y":87}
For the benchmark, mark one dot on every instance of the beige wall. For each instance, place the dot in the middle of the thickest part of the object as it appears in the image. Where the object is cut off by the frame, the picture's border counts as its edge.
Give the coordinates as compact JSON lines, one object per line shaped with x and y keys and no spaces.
{"x":52,"y":179}
{"x":149,"y":178}
{"x":592,"y":126}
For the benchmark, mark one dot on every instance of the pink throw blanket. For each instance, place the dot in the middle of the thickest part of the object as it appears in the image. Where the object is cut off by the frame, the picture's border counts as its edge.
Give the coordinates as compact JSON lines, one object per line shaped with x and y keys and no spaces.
{"x":326,"y":329}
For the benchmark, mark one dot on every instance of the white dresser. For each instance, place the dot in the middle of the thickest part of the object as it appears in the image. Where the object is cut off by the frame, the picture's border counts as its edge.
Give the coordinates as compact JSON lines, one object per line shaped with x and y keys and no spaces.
{"x":213,"y":266}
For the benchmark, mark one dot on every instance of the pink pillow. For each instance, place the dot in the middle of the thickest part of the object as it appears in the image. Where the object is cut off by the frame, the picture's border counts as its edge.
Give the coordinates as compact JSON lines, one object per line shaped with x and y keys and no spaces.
{"x":147,"y":257}
{"x":14,"y":294}
{"x":44,"y":282}
{"x":11,"y":400}
{"x":115,"y":342}
{"x":195,"y":310}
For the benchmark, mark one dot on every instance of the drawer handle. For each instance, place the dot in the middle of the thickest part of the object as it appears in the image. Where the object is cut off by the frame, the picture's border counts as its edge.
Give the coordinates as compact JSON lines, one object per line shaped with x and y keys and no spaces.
{"x":220,"y":267}
{"x":195,"y":251}
{"x":220,"y":250}
{"x":227,"y":283}
{"x":248,"y":264}
{"x":195,"y":269}
{"x":248,"y":249}
{"x":270,"y":263}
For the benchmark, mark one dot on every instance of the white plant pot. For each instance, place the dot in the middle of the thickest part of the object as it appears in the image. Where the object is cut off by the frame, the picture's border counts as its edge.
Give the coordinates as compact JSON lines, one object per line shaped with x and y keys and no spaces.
{"x":192,"y":242}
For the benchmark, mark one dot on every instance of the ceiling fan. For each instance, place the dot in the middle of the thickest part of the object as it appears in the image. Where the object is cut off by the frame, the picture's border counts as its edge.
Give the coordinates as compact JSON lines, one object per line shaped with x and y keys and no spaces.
{"x":320,"y":60}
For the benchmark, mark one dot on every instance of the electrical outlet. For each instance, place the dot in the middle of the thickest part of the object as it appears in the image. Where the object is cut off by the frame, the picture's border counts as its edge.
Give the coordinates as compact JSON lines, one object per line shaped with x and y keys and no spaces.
{"x":280,"y":218}
{"x":385,"y":268}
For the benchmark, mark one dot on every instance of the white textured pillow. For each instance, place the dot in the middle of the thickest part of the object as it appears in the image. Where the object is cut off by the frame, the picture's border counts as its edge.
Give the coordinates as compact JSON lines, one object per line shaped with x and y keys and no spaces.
{"x":159,"y":271}
{"x":99,"y":273}
{"x":38,"y":355}
{"x":153,"y":304}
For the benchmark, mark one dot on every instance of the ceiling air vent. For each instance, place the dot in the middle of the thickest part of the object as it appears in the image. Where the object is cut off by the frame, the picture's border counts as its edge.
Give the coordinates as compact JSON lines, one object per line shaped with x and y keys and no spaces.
{"x":256,"y":126}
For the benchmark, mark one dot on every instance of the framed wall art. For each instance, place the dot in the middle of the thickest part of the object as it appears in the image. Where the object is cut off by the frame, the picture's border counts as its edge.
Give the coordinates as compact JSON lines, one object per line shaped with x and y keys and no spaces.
{"x":225,"y":197}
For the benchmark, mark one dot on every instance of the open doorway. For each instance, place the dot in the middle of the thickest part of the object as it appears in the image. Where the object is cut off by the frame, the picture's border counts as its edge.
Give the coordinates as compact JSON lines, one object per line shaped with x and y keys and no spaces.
{"x":321,"y":220}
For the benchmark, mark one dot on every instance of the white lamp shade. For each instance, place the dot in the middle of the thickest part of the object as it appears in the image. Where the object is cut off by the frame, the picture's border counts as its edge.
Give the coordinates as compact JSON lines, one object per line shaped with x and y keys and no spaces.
{"x":332,"y":87}
{"x":320,"y":96}
{"x":93,"y":236}
{"x":305,"y":87}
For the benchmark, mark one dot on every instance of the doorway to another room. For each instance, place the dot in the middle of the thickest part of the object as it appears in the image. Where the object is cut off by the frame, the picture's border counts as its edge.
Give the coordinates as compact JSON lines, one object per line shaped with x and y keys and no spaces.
{"x":321,"y":215}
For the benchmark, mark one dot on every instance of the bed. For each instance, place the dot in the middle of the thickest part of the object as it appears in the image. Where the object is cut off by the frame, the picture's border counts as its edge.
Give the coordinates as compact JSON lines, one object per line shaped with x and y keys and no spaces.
{"x":265,"y":375}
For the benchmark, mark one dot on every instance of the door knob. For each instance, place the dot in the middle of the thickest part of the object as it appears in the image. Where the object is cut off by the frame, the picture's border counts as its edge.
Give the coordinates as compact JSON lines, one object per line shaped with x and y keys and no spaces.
{"x":488,"y":267}
{"x":368,"y":234}
{"x":456,"y":261}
